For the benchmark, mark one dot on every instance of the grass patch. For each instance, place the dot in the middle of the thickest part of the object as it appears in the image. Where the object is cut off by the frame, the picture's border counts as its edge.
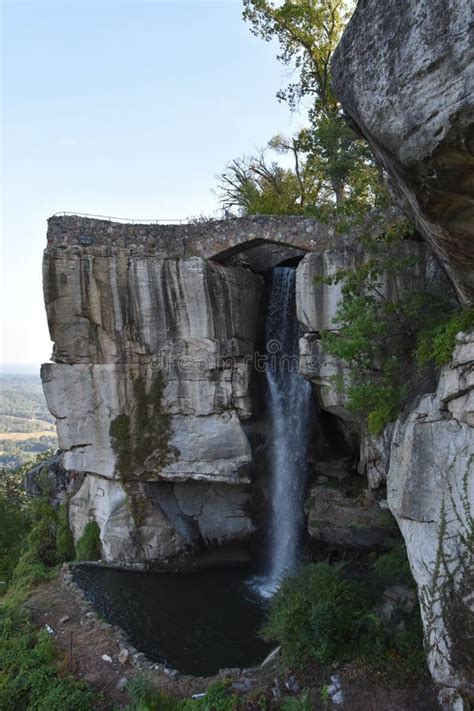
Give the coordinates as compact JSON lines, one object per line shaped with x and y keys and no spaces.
{"x":145,"y":697}
{"x":32,"y":674}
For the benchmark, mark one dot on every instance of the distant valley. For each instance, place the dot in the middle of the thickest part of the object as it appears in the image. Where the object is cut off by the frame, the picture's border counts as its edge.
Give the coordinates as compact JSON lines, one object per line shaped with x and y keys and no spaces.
{"x":26,"y":426}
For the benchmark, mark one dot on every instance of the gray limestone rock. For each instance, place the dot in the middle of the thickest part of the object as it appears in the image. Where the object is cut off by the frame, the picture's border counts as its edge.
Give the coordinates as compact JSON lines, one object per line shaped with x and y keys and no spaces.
{"x":404,"y":73}
{"x":430,"y":488}
{"x":343,"y":518}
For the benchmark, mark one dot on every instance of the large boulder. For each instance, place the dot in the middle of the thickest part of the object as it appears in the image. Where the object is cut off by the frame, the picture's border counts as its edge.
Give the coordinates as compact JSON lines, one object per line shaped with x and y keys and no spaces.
{"x":403,"y":71}
{"x":344,"y":514}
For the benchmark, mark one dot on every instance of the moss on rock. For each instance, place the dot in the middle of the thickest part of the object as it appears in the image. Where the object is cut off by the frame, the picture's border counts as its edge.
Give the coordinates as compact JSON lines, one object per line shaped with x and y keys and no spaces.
{"x":88,"y":546}
{"x":138,"y":436}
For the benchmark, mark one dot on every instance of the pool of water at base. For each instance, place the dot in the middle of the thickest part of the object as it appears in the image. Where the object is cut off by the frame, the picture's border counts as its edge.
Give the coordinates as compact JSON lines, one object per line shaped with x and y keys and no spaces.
{"x":197,"y":622}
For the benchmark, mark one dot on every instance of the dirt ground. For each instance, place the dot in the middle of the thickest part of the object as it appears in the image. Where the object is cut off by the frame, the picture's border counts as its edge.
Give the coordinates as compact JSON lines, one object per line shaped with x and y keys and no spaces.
{"x":84,"y":638}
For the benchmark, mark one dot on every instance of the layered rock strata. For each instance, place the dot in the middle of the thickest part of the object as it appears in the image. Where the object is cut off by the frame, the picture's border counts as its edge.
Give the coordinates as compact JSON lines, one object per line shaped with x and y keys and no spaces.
{"x":153,"y":360}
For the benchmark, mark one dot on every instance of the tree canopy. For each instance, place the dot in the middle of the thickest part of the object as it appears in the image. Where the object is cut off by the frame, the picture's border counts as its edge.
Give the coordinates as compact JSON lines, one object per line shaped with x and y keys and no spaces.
{"x":308,"y":32}
{"x":331,"y":166}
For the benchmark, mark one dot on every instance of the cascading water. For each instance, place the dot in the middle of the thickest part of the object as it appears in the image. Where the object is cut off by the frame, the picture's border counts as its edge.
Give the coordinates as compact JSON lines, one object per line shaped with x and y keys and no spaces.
{"x":289,"y":405}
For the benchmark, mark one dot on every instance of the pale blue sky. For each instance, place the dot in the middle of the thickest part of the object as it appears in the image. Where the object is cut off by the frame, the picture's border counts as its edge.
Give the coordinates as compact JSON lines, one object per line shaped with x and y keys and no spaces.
{"x":128,"y":109}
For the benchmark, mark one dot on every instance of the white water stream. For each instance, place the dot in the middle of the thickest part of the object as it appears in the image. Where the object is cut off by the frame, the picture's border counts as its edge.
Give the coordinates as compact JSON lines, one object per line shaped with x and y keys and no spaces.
{"x":289,"y":411}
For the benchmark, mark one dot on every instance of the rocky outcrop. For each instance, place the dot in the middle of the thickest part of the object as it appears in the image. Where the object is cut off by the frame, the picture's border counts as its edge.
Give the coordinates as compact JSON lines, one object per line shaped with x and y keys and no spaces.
{"x":155,"y":330}
{"x":403,"y":72}
{"x":430,"y":485}
{"x":50,"y":479}
{"x":348,"y":516}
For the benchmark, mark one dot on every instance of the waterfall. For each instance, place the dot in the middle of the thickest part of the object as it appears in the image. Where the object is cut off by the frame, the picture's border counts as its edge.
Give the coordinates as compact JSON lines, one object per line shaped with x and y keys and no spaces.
{"x":289,"y":404}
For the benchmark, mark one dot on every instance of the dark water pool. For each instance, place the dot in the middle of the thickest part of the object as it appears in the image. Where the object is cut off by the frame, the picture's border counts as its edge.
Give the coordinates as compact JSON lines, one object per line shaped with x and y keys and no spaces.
{"x":197,"y":623}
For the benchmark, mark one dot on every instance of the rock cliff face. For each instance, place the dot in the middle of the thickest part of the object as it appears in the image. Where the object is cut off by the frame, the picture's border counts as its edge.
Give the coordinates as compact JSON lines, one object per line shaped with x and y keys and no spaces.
{"x":149,"y":387}
{"x":154,"y":357}
{"x":152,"y":382}
{"x":430,"y":485}
{"x":155,"y":329}
{"x":404,"y":73}
{"x":426,"y":460}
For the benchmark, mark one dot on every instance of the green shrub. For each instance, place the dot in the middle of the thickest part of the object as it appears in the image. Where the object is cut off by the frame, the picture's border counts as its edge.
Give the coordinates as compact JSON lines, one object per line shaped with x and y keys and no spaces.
{"x":217,"y":698}
{"x":322,"y":615}
{"x":13,"y":531}
{"x":436,"y":343}
{"x":145,"y":697}
{"x":312,"y":615}
{"x":64,"y":540}
{"x":380,"y":402}
{"x":88,"y":546}
{"x":303,"y":703}
{"x":38,"y":561}
{"x":392,"y":567}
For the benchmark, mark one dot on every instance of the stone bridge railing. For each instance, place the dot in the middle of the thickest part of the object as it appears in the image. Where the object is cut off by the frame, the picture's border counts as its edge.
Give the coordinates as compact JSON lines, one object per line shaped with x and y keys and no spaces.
{"x":211,"y":239}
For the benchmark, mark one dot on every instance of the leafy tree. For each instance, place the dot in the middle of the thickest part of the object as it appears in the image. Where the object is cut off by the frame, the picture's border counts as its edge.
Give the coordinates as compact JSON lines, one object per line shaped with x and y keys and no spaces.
{"x":259,"y":185}
{"x":332,"y":165}
{"x":255,"y":186}
{"x":329,"y":169}
{"x":344,"y":165}
{"x":308,"y":32}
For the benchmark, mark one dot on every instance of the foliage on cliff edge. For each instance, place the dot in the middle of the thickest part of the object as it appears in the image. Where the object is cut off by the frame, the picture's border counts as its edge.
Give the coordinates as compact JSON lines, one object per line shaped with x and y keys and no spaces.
{"x":33,"y":675}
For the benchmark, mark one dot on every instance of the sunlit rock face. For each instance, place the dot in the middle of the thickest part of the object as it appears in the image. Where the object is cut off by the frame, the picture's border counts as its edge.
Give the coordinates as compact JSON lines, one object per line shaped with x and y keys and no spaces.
{"x":150,"y":383}
{"x":155,"y":329}
{"x":403,"y":71}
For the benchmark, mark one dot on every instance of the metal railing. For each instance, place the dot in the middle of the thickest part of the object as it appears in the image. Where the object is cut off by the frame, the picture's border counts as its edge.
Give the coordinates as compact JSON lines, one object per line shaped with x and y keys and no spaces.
{"x":119,"y":219}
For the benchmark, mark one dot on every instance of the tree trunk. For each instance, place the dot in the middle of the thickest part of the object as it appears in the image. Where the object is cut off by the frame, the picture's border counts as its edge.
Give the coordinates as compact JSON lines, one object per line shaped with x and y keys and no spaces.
{"x":340,"y":192}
